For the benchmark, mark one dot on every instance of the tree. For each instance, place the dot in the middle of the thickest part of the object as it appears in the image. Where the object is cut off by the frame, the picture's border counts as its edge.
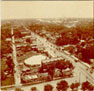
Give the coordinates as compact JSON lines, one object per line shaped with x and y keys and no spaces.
{"x":3,"y":76}
{"x":10,"y":64}
{"x":33,"y":89}
{"x":48,"y":87}
{"x":71,"y":66}
{"x":63,"y":41}
{"x":28,"y":40}
{"x":91,"y":88}
{"x":5,"y":33}
{"x":18,"y":89}
{"x":74,"y":86}
{"x":51,"y":70}
{"x":60,"y":65}
{"x":87,"y":86}
{"x":62,"y":86}
{"x":88,"y":53}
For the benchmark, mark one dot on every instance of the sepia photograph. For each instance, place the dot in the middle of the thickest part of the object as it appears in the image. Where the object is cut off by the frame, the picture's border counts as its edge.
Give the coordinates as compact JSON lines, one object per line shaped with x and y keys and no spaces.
{"x":47,"y":46}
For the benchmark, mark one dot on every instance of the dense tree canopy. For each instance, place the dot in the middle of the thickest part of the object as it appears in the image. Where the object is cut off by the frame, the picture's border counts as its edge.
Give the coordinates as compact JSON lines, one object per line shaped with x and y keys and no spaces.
{"x":72,"y":35}
{"x":62,"y":86}
{"x":87,"y":54}
{"x":5,"y":33}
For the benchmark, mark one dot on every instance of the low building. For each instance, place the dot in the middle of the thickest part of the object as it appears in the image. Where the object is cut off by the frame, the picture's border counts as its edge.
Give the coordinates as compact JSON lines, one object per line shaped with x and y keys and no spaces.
{"x":29,"y":78}
{"x":34,"y":60}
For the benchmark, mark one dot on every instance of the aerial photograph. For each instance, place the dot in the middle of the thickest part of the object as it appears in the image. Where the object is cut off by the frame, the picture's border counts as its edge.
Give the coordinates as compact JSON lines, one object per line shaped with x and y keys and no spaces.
{"x":47,"y":46}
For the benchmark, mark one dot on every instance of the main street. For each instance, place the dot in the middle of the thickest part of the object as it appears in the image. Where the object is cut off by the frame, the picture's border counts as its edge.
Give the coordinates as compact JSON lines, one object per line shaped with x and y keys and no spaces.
{"x":55,"y":51}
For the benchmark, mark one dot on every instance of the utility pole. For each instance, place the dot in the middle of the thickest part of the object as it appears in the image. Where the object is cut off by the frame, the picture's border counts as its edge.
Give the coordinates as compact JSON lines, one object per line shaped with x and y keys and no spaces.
{"x":16,"y":70}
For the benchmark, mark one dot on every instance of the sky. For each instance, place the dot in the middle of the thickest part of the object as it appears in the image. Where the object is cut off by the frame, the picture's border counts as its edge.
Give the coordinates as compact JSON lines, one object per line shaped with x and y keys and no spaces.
{"x":46,"y":9}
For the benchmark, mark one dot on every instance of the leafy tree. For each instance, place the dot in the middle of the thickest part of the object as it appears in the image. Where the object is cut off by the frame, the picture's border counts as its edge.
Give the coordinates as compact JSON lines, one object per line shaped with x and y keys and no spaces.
{"x":62,"y":86}
{"x":62,"y":65}
{"x":10,"y":64}
{"x":18,"y":89}
{"x":68,"y":65}
{"x":6,"y":33}
{"x":91,"y":88}
{"x":28,"y":40}
{"x":87,"y":86}
{"x":48,"y":87}
{"x":3,"y":76}
{"x":51,"y":70}
{"x":17,"y":33}
{"x":87,"y":54}
{"x":33,"y":89}
{"x":74,"y":86}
